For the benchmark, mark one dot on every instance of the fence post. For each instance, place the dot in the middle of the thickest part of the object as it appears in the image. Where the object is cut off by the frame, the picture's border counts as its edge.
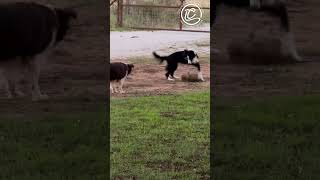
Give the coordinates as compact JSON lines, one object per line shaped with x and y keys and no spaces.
{"x":180,"y":22}
{"x":120,"y":13}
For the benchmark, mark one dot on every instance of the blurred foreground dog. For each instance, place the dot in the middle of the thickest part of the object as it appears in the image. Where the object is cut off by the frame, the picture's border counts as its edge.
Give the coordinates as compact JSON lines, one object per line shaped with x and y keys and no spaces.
{"x":28,"y":31}
{"x":275,"y":8}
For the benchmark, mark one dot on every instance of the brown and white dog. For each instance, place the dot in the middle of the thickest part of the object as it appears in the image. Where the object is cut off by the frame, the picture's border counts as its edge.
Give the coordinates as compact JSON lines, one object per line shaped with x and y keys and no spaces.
{"x":119,"y":73}
{"x":28,"y":31}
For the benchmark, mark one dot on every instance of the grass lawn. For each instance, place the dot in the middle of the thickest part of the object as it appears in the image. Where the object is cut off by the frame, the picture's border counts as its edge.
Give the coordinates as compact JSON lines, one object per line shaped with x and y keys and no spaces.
{"x":54,"y":146}
{"x":271,"y":139}
{"x":160,"y":137}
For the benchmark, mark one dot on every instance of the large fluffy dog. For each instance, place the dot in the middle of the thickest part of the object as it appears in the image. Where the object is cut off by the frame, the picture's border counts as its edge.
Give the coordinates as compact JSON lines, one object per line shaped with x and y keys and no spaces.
{"x":276,"y":8}
{"x":28,"y":31}
{"x":183,"y":57}
{"x":119,"y":73}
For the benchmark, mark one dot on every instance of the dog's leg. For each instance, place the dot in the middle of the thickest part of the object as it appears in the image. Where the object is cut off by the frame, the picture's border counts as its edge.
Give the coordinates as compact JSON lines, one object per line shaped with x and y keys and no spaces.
{"x":34,"y":71}
{"x":10,"y":76}
{"x":288,"y":46}
{"x":173,"y":76}
{"x":176,"y":77}
{"x":200,"y":76}
{"x":168,"y":77}
{"x":16,"y":88}
{"x":4,"y":80}
{"x":115,"y":87}
{"x":121,"y":84}
{"x":7,"y":87}
{"x":171,"y":69}
{"x":111,"y":88}
{"x":16,"y":78}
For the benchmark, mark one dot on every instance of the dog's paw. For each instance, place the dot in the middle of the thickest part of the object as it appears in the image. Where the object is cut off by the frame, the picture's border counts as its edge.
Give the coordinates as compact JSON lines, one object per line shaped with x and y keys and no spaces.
{"x":170,"y":79}
{"x":40,"y":97}
{"x":176,"y":77}
{"x":200,"y":76}
{"x":44,"y":96}
{"x":9,"y":96}
{"x":19,"y":93}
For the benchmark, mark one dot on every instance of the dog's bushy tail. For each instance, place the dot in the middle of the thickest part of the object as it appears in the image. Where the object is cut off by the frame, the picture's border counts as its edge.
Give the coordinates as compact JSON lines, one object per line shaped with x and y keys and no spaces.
{"x":160,"y":58}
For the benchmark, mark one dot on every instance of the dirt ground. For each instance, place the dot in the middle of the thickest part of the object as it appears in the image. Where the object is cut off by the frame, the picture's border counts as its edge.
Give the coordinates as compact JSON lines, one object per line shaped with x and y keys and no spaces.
{"x":148,"y":76}
{"x":247,"y":80}
{"x":74,"y":76}
{"x":149,"y":79}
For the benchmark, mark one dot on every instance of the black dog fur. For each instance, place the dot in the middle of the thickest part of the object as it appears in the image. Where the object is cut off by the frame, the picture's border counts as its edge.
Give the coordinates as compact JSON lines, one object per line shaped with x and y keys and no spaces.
{"x":183,"y":57}
{"x":119,"y":72}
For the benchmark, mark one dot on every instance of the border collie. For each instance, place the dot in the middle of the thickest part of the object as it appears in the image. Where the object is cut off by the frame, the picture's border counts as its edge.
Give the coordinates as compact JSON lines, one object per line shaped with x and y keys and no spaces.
{"x":28,"y":32}
{"x":119,"y":73}
{"x":183,"y":57}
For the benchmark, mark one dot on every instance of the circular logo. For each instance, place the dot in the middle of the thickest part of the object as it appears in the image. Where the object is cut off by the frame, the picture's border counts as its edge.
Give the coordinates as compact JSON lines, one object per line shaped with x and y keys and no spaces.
{"x":191,"y":14}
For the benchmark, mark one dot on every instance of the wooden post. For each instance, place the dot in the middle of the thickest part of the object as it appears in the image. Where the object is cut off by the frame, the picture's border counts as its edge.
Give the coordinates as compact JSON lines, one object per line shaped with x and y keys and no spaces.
{"x":180,"y":22}
{"x":120,"y":13}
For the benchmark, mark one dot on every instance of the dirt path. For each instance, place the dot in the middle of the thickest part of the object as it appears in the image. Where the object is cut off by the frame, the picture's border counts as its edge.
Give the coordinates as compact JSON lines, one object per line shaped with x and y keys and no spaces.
{"x":131,"y":44}
{"x":149,"y":79}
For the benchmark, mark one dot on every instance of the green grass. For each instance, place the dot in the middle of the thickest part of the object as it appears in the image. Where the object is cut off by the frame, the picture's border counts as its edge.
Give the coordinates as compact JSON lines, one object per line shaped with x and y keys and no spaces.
{"x":267,"y":138}
{"x":160,"y":137}
{"x":54,"y":146}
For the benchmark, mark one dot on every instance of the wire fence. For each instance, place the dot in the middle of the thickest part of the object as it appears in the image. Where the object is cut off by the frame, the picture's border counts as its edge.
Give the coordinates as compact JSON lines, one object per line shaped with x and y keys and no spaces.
{"x":153,"y":14}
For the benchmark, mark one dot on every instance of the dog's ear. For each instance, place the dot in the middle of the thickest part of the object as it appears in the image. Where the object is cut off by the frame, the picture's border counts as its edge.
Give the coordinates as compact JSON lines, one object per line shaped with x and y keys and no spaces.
{"x":131,"y":65}
{"x":67,"y":13}
{"x":64,"y":17}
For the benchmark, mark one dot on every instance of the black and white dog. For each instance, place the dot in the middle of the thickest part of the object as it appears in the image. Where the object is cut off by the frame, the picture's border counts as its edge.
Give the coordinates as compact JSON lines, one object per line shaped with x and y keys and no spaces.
{"x":119,"y":73}
{"x":28,"y":31}
{"x":276,"y":8}
{"x":183,"y":57}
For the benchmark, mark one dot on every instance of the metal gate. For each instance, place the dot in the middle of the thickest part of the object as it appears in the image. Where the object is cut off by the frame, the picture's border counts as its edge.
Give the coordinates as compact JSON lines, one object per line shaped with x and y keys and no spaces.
{"x":135,"y":14}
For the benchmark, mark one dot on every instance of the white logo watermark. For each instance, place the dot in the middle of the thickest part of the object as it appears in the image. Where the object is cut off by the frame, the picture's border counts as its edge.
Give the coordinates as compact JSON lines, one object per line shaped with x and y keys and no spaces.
{"x":191,"y":14}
